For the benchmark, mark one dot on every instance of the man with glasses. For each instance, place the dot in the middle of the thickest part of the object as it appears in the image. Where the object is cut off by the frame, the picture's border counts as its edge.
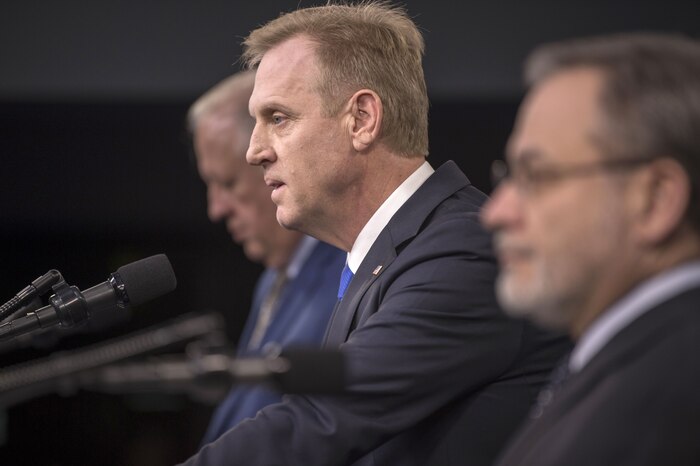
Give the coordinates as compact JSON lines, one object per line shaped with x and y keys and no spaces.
{"x":597,"y":230}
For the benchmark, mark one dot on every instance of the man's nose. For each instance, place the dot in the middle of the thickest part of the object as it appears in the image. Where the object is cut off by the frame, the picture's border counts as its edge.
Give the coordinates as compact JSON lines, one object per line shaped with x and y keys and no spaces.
{"x":217,"y":207}
{"x":259,"y":150}
{"x":503,"y":209}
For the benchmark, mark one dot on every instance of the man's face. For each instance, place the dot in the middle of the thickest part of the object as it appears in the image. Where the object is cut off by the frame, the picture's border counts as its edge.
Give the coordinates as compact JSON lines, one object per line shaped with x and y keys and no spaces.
{"x":306,"y":155}
{"x":236,"y":192}
{"x":558,"y":239}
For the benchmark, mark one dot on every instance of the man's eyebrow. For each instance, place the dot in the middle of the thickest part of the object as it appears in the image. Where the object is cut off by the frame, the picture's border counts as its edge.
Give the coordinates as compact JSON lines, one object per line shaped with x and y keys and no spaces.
{"x":271,"y":107}
{"x":525,"y":156}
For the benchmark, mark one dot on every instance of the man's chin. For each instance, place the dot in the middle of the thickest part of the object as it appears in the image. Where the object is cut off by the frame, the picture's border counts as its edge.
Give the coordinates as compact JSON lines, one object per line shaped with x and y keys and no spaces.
{"x":528,"y":302}
{"x":254,"y":252}
{"x":286,"y":220}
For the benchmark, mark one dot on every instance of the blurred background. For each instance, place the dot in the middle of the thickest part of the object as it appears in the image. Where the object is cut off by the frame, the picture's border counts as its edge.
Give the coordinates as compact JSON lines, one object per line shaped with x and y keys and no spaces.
{"x":97,"y":171}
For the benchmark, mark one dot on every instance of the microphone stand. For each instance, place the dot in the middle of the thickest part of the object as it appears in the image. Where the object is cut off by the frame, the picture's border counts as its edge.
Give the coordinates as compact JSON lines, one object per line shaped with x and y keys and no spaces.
{"x":307,"y":371}
{"x":34,"y":290}
{"x":30,"y":379}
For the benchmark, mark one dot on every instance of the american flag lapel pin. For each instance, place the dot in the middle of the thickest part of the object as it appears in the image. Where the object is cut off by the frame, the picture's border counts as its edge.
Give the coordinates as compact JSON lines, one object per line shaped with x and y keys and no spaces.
{"x":377,"y":269}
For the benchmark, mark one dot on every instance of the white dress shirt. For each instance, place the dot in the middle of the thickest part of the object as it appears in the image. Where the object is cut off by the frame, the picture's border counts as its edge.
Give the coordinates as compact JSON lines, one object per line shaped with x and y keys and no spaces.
{"x":641,"y":299}
{"x":381,"y":217}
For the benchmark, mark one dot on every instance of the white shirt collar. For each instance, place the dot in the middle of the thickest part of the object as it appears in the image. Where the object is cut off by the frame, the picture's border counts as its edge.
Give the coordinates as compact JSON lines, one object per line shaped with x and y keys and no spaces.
{"x":301,"y":254}
{"x":643,"y":298}
{"x":381,"y":217}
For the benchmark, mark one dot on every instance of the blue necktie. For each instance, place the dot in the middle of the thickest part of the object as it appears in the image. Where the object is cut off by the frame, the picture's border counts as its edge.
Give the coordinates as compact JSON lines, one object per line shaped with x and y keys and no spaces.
{"x":345,"y":279}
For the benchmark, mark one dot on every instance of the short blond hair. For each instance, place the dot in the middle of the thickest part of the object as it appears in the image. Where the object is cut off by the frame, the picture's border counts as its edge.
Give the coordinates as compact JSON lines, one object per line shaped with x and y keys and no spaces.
{"x":371,"y":45}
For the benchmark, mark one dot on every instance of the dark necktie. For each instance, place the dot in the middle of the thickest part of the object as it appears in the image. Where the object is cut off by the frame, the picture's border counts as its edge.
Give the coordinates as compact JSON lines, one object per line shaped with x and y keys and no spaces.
{"x":556,"y":380}
{"x":267,"y":309}
{"x":345,"y":279}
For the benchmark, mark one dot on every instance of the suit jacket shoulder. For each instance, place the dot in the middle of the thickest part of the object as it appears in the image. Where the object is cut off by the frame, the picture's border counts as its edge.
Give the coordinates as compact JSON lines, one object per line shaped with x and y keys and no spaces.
{"x":635,"y":403}
{"x":305,"y":306}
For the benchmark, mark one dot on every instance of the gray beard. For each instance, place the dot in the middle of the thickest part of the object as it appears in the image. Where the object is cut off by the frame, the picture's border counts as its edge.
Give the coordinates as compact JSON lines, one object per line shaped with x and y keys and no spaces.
{"x":535,"y":303}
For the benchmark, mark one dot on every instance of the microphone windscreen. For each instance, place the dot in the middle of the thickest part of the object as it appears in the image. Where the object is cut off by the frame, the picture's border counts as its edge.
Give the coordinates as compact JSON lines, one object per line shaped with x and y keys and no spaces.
{"x":148,"y":278}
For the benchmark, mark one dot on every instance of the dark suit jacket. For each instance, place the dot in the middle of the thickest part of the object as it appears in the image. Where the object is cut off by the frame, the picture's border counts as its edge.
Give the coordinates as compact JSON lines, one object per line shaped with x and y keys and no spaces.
{"x":300,"y":320}
{"x":435,"y":371}
{"x":637,"y":402}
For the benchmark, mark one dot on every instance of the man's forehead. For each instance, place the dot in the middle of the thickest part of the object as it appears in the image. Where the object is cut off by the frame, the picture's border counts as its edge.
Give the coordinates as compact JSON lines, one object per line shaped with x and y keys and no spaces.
{"x":558,"y":116}
{"x":216,"y":122}
{"x":289,"y":51}
{"x":284,"y":69}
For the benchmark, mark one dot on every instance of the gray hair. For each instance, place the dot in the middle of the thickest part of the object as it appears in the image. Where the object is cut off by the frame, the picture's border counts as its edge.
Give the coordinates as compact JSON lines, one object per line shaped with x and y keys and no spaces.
{"x":227,"y":99}
{"x":650,"y":99}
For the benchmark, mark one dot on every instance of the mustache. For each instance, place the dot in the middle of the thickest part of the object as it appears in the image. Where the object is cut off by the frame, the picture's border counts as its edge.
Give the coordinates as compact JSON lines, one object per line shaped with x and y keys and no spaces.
{"x":506,"y":244}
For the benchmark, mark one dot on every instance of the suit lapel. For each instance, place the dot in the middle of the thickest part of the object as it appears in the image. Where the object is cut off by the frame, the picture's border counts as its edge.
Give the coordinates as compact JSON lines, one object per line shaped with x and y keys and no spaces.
{"x":346,"y":309}
{"x":630,"y":344}
{"x":403,"y":226}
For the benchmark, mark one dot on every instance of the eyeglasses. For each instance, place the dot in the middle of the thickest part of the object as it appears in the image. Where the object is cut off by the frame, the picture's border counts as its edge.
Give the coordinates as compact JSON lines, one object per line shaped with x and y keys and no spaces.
{"x":527,"y":177}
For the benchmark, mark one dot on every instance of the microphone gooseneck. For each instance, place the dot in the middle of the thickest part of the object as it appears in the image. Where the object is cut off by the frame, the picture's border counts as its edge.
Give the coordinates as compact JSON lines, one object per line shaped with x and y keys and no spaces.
{"x":130,"y":285}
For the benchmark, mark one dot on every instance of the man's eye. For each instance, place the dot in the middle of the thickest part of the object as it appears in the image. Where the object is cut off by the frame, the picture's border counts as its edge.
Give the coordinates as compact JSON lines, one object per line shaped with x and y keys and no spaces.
{"x":278,"y":119}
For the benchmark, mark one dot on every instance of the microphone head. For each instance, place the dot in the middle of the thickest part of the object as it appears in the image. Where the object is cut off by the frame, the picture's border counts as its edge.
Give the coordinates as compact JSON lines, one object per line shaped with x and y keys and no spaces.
{"x":147,"y":278}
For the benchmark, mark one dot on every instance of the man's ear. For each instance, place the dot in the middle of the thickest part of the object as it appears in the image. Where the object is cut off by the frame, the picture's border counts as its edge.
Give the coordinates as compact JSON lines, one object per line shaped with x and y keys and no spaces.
{"x":665,"y":194}
{"x":366,"y":113}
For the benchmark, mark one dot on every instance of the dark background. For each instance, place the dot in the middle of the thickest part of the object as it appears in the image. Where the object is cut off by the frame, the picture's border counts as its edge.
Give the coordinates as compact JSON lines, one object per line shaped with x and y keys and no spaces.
{"x":96,"y":168}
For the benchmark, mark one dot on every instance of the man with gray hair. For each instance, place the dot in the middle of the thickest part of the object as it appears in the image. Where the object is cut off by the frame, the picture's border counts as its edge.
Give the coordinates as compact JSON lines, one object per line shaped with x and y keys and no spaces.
{"x":294,"y":297}
{"x":598,"y":233}
{"x":436,"y":374}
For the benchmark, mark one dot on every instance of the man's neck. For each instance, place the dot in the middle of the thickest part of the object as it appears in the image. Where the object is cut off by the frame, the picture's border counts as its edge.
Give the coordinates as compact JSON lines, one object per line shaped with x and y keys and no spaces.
{"x":383,"y":215}
{"x":647,"y":264}
{"x":382,"y":175}
{"x":286,"y":243}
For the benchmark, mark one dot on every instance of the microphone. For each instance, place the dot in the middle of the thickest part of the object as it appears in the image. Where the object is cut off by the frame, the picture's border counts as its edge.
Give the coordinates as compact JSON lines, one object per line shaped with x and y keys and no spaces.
{"x":130,"y":285}
{"x":59,"y":372}
{"x":294,"y":370}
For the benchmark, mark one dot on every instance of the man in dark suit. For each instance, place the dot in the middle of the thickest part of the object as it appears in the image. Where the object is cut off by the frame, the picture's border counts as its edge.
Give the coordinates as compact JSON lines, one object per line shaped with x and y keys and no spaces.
{"x":436,"y":373}
{"x":294,"y":298}
{"x":598,"y":232}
